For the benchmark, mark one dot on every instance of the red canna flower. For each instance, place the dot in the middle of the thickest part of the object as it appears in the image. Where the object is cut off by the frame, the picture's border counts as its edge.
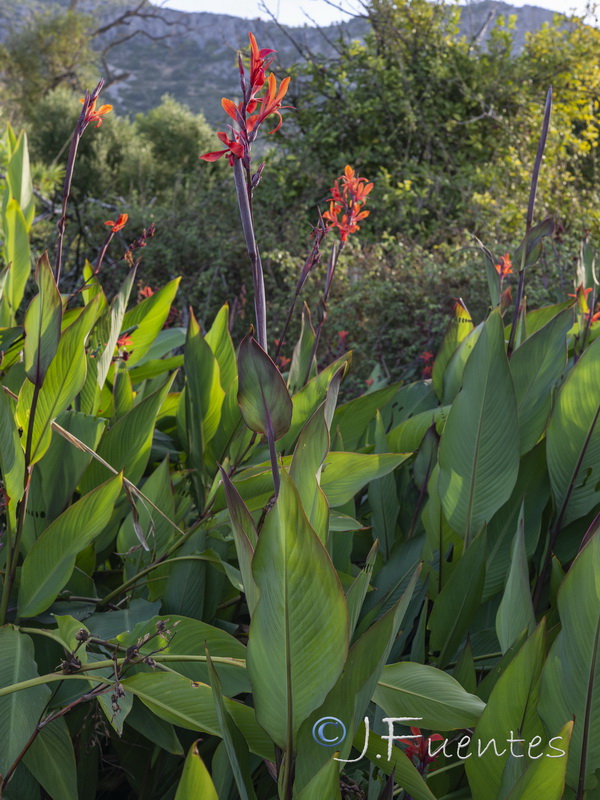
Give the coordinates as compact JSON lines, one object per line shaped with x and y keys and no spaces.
{"x":418,"y":749}
{"x":94,"y":114}
{"x":596,"y":316}
{"x":270,"y":103}
{"x":234,"y":149}
{"x":504,"y":268}
{"x":119,"y":224}
{"x":259,"y":63}
{"x":346,"y":203}
{"x":144,"y":293}
{"x":343,"y":337}
{"x":124,"y":341}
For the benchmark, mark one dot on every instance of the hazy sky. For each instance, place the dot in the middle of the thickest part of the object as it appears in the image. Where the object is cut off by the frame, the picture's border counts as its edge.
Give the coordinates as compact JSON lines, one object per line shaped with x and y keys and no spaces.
{"x":294,"y":12}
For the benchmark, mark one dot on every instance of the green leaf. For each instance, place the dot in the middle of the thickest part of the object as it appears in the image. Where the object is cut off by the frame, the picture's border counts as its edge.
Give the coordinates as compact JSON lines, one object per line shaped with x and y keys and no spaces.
{"x":529,"y":251}
{"x":456,"y":605}
{"x":51,"y":760}
{"x":149,"y":316}
{"x":383,"y":498}
{"x":352,"y":418}
{"x":17,"y":254}
{"x":195,"y":779}
{"x":479,"y":448}
{"x":18,"y":179}
{"x":114,"y":323}
{"x":244,"y":536}
{"x":571,"y":676}
{"x":453,"y":375}
{"x":154,"y":728}
{"x":573,"y":439}
{"x":237,"y":749}
{"x":545,"y":777}
{"x":417,"y":690}
{"x":12,"y":459}
{"x":459,"y":327}
{"x":187,"y":638}
{"x":59,"y":545}
{"x":19,"y":711}
{"x":510,"y":711}
{"x":263,"y":397}
{"x":300,"y":620}
{"x":307,"y":462}
{"x":536,"y":367}
{"x":191,"y":706}
{"x":204,"y":393}
{"x":349,"y":699}
{"x":64,"y":379}
{"x":127,"y":444}
{"x":344,"y":474}
{"x":301,"y":357}
{"x":305,"y":402}
{"x":515,"y":613}
{"x":324,"y":783}
{"x":42,"y":324}
{"x":219,"y":340}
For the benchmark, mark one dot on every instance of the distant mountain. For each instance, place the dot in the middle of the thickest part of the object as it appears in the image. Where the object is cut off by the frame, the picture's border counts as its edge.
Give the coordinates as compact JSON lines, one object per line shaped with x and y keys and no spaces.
{"x":196,"y":62}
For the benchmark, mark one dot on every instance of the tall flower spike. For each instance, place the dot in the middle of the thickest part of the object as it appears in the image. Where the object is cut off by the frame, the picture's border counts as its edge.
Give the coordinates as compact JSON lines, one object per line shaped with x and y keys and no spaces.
{"x":94,"y":114}
{"x":348,"y":196}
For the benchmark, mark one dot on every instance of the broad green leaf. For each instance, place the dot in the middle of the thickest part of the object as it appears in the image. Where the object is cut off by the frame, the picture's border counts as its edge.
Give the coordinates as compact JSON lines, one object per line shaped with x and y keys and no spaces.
{"x":307,"y":463}
{"x":453,"y":375}
{"x":545,"y":777}
{"x":479,"y":448}
{"x":510,"y":712}
{"x":191,"y":706}
{"x":149,"y":316}
{"x":324,"y":783}
{"x":573,"y":438}
{"x":219,"y":340}
{"x":237,"y":749}
{"x":352,"y":418}
{"x":459,"y":327}
{"x":383,"y":498}
{"x":244,"y":536}
{"x":349,"y":699}
{"x":126,"y":445}
{"x":12,"y":459}
{"x":263,"y":397}
{"x":57,"y":474}
{"x":536,"y":367}
{"x":529,"y":251}
{"x":42,"y":324}
{"x":301,"y":357}
{"x":112,"y":326}
{"x":162,"y":733}
{"x":305,"y":402}
{"x":19,"y":711}
{"x":59,"y":545}
{"x":187,"y":637}
{"x":51,"y":760}
{"x":539,"y":317}
{"x":515,"y":613}
{"x":17,"y":254}
{"x":344,"y":474}
{"x":571,"y":676}
{"x":408,"y":435}
{"x":64,"y":379}
{"x":18,"y":179}
{"x":417,"y":690}
{"x":300,"y":620}
{"x":204,"y":393}
{"x":167,"y":340}
{"x":456,"y":605}
{"x":195,"y":779}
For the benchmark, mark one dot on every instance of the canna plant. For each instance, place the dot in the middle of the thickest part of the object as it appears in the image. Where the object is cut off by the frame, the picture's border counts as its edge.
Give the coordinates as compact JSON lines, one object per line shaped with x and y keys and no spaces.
{"x":220,"y":582}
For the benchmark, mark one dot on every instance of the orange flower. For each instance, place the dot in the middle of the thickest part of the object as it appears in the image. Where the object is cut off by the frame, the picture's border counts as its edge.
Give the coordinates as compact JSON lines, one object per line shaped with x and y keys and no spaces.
{"x":145,"y":292}
{"x":270,"y":103}
{"x":258,"y":65}
{"x":346,"y":203}
{"x":124,"y":341}
{"x":119,"y":224}
{"x":504,"y":268}
{"x":234,"y":149}
{"x":581,"y":297}
{"x":95,"y":115}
